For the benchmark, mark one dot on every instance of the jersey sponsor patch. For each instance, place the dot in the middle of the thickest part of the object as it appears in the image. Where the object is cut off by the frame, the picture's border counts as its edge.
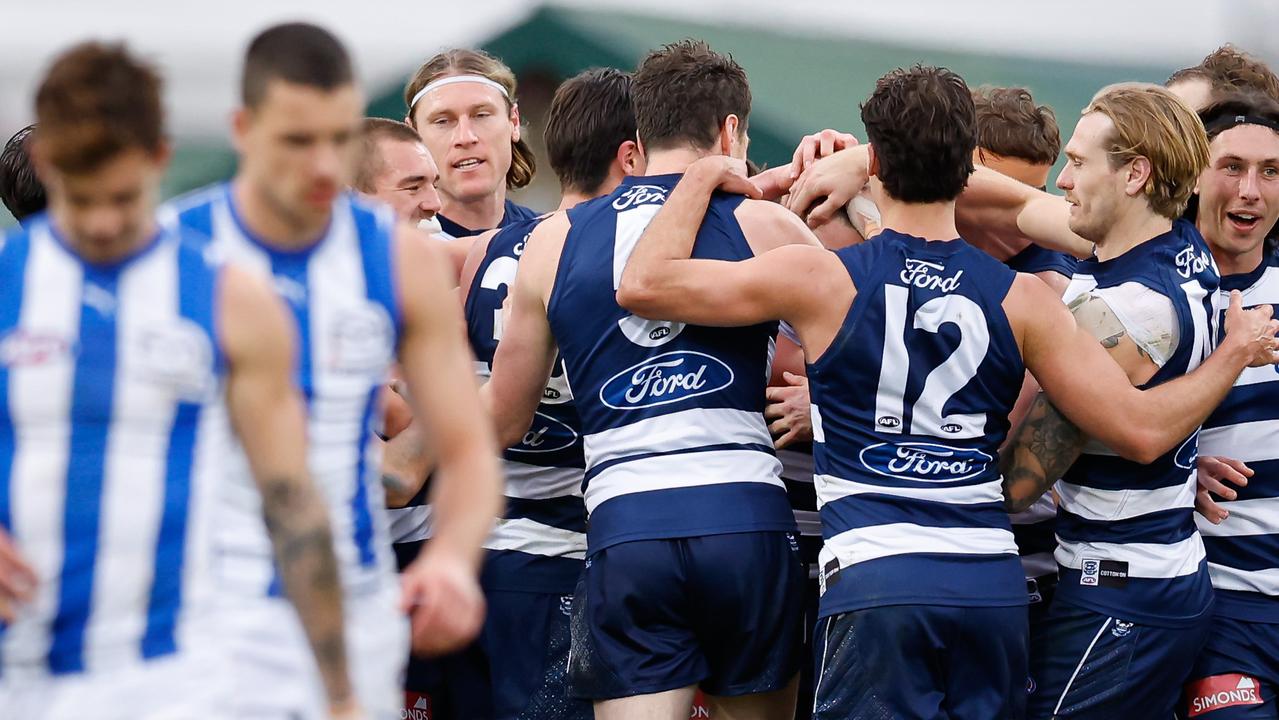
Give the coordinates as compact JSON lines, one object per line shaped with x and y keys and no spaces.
{"x":30,"y":347}
{"x":926,"y":462}
{"x":666,"y":378}
{"x":1095,"y":572}
{"x":1221,"y":691}
{"x":417,"y":706}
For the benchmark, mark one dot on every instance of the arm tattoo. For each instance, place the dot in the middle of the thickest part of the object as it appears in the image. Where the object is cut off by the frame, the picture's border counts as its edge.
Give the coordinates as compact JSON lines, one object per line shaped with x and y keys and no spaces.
{"x":299,"y":528}
{"x":1043,"y":448}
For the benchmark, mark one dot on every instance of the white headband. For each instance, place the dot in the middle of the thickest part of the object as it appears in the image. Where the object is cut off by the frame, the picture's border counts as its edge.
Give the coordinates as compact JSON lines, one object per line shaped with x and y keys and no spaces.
{"x":453,"y":79}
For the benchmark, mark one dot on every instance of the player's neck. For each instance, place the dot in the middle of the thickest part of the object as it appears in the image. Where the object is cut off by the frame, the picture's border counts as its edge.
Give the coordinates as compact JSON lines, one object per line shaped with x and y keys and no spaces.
{"x":1129,"y":231}
{"x":271,"y":223}
{"x":108,"y":253}
{"x":573,"y":198}
{"x":674,"y":160}
{"x":1237,"y":263}
{"x":480,"y":213}
{"x":930,"y":221}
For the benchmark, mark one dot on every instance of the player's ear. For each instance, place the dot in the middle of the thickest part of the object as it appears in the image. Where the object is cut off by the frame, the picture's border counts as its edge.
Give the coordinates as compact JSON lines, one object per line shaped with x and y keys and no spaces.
{"x":728,"y":134}
{"x":1138,"y":179}
{"x":240,"y":121}
{"x":629,"y":158}
{"x":872,"y":161}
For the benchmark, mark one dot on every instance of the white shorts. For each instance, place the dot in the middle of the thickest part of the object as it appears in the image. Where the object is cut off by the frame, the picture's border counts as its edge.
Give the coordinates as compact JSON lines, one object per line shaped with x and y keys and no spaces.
{"x":274,"y":671}
{"x":185,"y":686}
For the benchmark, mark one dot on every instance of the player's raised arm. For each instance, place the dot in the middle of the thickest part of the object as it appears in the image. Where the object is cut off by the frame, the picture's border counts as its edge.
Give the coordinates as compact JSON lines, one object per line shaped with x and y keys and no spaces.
{"x":267,"y":414}
{"x":1003,"y":206}
{"x":526,"y":355}
{"x":661,"y":281}
{"x":1092,"y":395}
{"x":441,"y":586}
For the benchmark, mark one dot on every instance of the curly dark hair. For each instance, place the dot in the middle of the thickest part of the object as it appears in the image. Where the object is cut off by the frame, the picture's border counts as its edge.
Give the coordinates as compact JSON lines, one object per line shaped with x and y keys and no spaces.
{"x":97,"y":101}
{"x":20,"y":189}
{"x":683,"y":92}
{"x":1009,"y":123}
{"x":922,"y":126}
{"x":591,"y":115}
{"x":1228,"y":69}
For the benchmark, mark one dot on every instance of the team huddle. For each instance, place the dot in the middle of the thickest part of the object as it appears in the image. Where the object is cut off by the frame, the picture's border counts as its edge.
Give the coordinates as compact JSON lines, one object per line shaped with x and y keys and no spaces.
{"x":888,"y":431}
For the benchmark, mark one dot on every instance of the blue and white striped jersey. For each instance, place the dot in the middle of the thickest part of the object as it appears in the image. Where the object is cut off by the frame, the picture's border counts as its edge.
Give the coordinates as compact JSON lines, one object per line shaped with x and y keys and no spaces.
{"x":112,"y":432}
{"x":539,"y":543}
{"x":910,"y":404}
{"x":1128,"y":546}
{"x":341,"y":294}
{"x":1243,"y":551}
{"x":672,"y":414}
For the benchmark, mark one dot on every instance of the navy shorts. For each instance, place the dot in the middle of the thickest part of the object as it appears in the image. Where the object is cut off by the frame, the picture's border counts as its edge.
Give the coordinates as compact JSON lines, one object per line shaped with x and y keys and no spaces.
{"x":920,"y":662}
{"x":1237,"y":674}
{"x":724,"y":612}
{"x":1088,"y":665}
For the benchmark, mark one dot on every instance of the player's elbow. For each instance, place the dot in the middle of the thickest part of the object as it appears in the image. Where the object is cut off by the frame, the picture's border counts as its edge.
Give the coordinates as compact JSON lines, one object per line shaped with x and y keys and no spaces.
{"x":637,"y":296}
{"x":1140,"y":444}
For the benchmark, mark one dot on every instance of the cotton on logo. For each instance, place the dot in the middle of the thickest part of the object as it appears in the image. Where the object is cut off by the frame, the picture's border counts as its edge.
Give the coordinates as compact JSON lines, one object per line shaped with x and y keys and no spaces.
{"x":1221,"y":691}
{"x":416,"y":706}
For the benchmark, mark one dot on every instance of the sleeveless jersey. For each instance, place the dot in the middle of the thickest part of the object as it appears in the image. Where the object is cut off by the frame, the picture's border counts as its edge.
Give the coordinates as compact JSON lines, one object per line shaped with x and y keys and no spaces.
{"x":1243,"y":551}
{"x":672,"y":414}
{"x":910,"y":404}
{"x":341,"y":294}
{"x":112,"y":431}
{"x":540,"y":541}
{"x":512,"y":212}
{"x":1128,"y":546}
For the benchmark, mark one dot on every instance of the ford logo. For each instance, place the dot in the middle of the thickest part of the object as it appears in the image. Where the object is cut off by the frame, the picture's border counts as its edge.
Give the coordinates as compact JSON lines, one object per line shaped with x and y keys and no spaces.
{"x":927,"y":462}
{"x":664,"y":379}
{"x":1188,"y":453}
{"x":546,"y":435}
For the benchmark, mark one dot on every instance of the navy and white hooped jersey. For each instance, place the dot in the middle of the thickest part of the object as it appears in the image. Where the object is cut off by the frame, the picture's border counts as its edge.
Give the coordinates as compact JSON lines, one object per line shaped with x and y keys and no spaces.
{"x":512,"y":212}
{"x":341,"y":294}
{"x":540,"y":541}
{"x":910,"y":404}
{"x":1128,"y":546}
{"x":112,"y":434}
{"x":672,"y":414}
{"x":1243,"y":551}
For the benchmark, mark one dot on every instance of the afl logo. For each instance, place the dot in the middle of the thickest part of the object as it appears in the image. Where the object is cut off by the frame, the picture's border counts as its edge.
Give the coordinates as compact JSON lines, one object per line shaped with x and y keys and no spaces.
{"x":664,"y":379}
{"x":550,"y":393}
{"x":888,"y":421}
{"x":660,"y":333}
{"x":924,"y":462}
{"x":952,"y":427}
{"x":546,"y":435}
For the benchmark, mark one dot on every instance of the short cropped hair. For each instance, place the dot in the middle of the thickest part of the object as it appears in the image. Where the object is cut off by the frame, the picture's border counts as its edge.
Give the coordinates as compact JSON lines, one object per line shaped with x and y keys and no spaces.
{"x":20,"y":189}
{"x":464,"y":61}
{"x":922,"y":126}
{"x":683,"y":92}
{"x":1010,"y":124}
{"x":370,"y":163}
{"x":297,"y":53}
{"x":591,"y":115}
{"x":1153,"y":123}
{"x":1229,"y":69}
{"x":97,"y":101}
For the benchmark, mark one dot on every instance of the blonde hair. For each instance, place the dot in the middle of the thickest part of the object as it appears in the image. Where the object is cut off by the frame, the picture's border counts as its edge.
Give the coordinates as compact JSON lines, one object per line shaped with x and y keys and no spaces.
{"x":1153,"y":123}
{"x":462,"y":61}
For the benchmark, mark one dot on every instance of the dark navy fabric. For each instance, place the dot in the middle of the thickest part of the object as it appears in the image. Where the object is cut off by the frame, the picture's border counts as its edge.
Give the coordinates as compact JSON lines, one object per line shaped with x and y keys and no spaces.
{"x":657,"y":615}
{"x":512,"y":212}
{"x":922,"y":662}
{"x":1036,"y":259}
{"x":1237,"y":674}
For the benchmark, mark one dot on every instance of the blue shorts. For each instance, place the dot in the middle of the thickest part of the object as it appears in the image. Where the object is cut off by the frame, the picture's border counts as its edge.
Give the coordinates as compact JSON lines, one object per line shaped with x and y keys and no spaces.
{"x":920,"y":662}
{"x":1088,"y":665}
{"x":722,"y":611}
{"x":1237,"y":674}
{"x":517,"y":668}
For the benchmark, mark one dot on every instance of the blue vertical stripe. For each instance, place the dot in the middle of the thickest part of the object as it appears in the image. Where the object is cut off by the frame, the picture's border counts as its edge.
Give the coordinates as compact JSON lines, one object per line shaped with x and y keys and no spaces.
{"x":91,"y":407}
{"x":376,"y":243}
{"x":361,"y":513}
{"x":13,"y":265}
{"x":196,"y":300}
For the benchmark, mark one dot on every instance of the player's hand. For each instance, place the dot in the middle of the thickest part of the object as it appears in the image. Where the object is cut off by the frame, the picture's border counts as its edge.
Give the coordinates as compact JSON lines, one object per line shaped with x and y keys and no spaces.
{"x":723,"y":173}
{"x":1214,"y":472}
{"x":443,"y":599}
{"x":774,"y":183}
{"x":817,"y":146}
{"x":348,"y":710}
{"x":788,"y":411}
{"x":17,"y":579}
{"x":829,"y":185}
{"x":1254,"y":329}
